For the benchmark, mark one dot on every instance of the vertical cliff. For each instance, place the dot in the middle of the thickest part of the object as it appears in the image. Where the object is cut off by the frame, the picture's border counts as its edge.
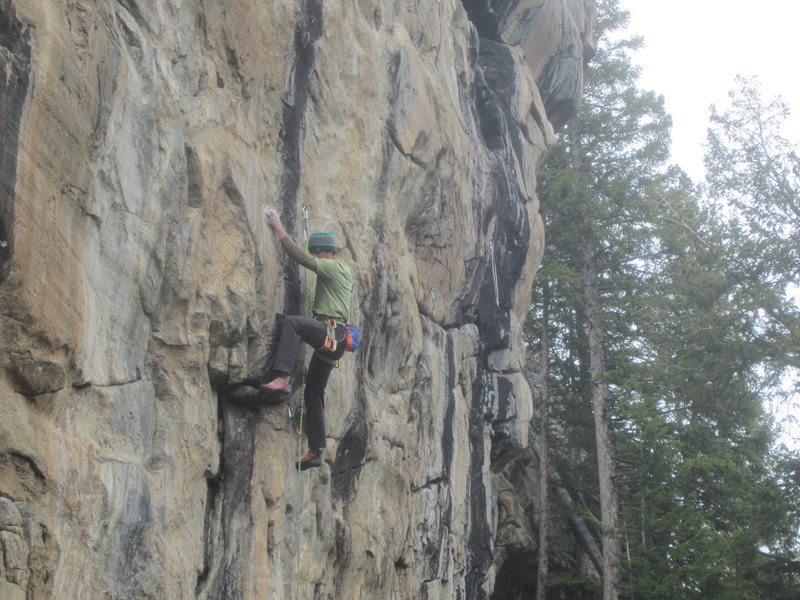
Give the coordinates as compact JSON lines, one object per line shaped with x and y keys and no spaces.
{"x":141,"y":140}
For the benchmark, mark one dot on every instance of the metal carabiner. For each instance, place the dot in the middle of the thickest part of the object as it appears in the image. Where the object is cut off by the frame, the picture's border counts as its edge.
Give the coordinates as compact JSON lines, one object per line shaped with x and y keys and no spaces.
{"x":304,"y":208}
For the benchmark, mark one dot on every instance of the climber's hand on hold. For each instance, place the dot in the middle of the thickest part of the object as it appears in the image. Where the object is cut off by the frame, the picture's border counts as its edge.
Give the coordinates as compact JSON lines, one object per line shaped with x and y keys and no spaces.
{"x":275,"y":222}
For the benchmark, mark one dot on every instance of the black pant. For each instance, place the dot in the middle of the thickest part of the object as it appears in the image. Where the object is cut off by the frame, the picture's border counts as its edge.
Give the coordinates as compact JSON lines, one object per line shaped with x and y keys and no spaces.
{"x":313,"y":332}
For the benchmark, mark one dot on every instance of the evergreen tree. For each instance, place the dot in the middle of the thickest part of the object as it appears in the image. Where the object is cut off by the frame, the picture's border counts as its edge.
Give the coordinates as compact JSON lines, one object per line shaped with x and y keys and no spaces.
{"x":704,"y":499}
{"x":657,"y":300}
{"x":753,"y":173}
{"x":611,"y":149}
{"x":544,"y":452}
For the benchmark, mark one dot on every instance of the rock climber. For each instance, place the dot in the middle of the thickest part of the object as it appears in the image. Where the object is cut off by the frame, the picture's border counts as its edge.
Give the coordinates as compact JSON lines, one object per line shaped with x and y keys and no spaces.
{"x":324,"y":331}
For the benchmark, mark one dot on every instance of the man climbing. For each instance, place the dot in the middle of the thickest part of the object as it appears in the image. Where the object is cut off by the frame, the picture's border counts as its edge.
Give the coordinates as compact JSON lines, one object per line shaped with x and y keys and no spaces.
{"x":324,"y":332}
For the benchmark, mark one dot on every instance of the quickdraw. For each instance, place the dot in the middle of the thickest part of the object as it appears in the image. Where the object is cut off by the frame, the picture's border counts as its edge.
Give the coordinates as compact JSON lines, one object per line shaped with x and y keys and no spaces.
{"x":305,"y":223}
{"x":494,"y":275}
{"x":330,"y":336}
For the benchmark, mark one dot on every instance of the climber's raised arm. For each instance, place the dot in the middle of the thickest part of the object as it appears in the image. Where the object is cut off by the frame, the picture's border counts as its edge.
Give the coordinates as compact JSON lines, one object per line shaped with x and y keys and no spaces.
{"x":295,"y":251}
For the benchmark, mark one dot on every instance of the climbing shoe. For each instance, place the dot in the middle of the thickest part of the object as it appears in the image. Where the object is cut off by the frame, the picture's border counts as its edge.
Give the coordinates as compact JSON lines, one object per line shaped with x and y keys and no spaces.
{"x":279,"y":386}
{"x":310,"y":460}
{"x":242,"y":394}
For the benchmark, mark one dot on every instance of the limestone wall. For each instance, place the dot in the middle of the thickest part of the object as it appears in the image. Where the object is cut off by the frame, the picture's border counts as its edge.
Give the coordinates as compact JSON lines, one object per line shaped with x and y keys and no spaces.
{"x":140,"y":142}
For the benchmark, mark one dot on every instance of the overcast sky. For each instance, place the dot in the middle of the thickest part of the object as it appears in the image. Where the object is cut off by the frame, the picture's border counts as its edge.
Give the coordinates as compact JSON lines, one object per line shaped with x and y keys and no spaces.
{"x":694,"y":50}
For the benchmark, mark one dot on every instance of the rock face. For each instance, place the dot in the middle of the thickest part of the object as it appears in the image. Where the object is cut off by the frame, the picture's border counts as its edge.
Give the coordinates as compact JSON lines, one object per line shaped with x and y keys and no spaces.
{"x":141,"y":141}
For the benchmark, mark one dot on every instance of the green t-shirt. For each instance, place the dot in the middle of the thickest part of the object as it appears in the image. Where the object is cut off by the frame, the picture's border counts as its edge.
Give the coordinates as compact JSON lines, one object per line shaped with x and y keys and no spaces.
{"x":334,"y":285}
{"x":334,"y":281}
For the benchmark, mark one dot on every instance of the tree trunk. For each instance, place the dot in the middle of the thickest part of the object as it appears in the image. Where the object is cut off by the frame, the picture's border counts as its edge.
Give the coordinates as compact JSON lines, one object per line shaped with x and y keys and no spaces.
{"x":600,"y":400}
{"x":544,"y":462}
{"x":585,"y":536}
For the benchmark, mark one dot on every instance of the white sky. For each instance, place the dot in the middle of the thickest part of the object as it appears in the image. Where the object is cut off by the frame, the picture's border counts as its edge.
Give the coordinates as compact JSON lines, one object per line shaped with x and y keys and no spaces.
{"x":693,"y":51}
{"x":695,"y":48}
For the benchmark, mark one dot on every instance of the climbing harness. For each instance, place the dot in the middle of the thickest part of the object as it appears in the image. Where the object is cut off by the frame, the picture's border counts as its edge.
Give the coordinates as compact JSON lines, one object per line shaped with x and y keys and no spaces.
{"x":330,"y":344}
{"x":351,"y":341}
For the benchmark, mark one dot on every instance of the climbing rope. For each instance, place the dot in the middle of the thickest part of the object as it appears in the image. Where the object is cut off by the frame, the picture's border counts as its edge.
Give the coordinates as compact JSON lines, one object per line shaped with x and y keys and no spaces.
{"x":298,"y":503}
{"x":309,"y":300}
{"x":309,"y":294}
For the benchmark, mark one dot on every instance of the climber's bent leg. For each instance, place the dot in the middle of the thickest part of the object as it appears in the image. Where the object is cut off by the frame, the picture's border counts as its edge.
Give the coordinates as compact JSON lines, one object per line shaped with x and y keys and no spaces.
{"x":296,"y":328}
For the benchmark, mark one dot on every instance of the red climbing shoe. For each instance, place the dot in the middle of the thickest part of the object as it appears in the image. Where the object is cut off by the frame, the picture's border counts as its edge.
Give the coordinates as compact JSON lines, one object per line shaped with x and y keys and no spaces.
{"x":310,"y":460}
{"x":281,"y":386}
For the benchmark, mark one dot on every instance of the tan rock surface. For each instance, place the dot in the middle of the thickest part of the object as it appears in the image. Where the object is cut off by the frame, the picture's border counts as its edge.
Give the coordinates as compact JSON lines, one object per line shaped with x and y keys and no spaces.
{"x":139,"y":283}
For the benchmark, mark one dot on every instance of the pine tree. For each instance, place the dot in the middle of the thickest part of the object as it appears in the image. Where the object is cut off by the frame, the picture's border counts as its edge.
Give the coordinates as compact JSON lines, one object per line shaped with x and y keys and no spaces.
{"x":713,"y":517}
{"x":677,"y":326}
{"x":611,"y":149}
{"x":544,"y":451}
{"x":753,"y":173}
